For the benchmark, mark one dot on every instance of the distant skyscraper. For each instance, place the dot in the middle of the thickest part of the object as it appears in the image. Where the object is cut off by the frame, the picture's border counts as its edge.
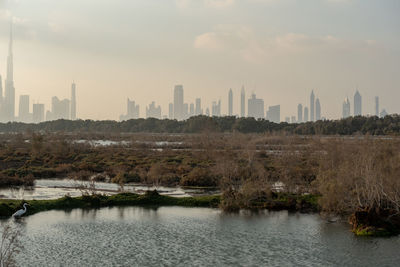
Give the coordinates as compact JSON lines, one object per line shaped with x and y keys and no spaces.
{"x":153,"y":111}
{"x":208,"y":112}
{"x":293,"y":119}
{"x":377,"y":106}
{"x":23,"y":111}
{"x":198,"y":109}
{"x":255,"y":107}
{"x":230,"y":102}
{"x":191,"y":110}
{"x":243,"y":103}
{"x":38,"y":113}
{"x":305,"y":118}
{"x":60,"y":109}
{"x":274,"y":114}
{"x":9,"y":97}
{"x":178,"y":103}
{"x":312,"y":109}
{"x":287,"y":119}
{"x":317,"y":110}
{"x":73,"y":101}
{"x":357,"y":104}
{"x":171,"y":111}
{"x":185,"y":111}
{"x":299,"y":113}
{"x":216,"y":108}
{"x":383,"y":114}
{"x":132,"y":111}
{"x":346,"y":108}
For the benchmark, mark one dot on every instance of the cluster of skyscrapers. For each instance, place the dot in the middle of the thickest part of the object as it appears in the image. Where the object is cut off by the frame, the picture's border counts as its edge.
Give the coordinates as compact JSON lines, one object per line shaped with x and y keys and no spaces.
{"x":304,"y":113}
{"x":346,"y":107}
{"x":60,"y":109}
{"x":180,"y":110}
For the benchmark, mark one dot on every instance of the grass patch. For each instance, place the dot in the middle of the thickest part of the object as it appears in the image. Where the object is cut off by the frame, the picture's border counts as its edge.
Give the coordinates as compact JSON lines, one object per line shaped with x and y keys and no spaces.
{"x":151,"y":198}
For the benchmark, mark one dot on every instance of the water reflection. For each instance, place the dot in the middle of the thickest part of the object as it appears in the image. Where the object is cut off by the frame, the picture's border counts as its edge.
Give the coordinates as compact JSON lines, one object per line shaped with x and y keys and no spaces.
{"x":176,"y":236}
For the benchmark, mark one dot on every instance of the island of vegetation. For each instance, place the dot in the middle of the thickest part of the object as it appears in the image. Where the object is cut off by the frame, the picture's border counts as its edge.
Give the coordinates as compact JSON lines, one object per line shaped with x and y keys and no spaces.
{"x":354,"y":177}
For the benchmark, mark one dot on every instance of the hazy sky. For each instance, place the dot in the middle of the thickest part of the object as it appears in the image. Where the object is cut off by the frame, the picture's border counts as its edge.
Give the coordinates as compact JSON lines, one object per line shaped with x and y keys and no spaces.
{"x":279,"y":49}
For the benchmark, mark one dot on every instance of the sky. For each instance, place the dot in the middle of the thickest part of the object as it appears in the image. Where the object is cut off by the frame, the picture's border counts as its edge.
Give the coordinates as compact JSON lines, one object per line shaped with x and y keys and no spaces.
{"x":278,"y":49}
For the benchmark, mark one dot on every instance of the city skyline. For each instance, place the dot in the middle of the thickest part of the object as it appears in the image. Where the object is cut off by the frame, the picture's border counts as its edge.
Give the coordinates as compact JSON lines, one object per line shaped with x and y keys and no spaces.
{"x":272,"y":57}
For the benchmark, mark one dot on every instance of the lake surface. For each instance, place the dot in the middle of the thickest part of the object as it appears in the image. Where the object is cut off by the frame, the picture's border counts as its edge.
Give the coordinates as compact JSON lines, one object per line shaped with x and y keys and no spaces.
{"x":176,"y":236}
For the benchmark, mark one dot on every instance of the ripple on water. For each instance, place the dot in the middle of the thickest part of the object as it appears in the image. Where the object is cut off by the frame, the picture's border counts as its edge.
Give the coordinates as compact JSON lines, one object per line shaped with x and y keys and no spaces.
{"x":176,"y":236}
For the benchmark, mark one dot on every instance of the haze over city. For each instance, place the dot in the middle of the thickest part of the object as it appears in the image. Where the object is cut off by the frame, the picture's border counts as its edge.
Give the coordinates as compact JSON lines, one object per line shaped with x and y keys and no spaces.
{"x":140,"y":50}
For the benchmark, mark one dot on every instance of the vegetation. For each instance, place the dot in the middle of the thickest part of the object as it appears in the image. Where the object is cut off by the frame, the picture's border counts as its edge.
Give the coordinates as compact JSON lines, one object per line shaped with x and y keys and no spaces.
{"x":389,"y":125}
{"x":355,"y":177}
{"x":151,"y":198}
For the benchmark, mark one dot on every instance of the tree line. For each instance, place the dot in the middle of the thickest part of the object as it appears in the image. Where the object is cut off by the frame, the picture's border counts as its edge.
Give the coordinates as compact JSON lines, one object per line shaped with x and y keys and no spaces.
{"x":389,"y":125}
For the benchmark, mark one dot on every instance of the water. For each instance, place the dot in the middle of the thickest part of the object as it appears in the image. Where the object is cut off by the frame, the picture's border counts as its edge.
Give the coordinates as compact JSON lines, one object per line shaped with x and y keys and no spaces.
{"x":57,"y":188}
{"x":175,"y":236}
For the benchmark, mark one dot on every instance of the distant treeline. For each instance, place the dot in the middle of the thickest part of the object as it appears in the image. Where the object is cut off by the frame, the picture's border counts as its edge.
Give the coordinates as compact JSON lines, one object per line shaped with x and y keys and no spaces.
{"x":389,"y":125}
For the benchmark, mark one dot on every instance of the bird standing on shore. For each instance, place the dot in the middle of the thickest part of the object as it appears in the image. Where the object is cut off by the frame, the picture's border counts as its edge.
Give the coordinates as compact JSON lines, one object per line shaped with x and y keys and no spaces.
{"x":20,"y":212}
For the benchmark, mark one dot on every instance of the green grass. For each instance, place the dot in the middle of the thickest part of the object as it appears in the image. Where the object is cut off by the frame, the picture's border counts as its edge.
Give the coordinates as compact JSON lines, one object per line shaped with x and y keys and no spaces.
{"x":8,"y":207}
{"x":371,"y":231}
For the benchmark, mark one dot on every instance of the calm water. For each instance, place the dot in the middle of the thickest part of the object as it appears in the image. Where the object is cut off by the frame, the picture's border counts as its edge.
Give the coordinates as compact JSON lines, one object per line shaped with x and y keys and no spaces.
{"x":174,"y":236}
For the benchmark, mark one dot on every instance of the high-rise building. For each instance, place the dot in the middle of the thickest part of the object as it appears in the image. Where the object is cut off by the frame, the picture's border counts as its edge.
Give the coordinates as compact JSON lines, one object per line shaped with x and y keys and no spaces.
{"x":178,"y":103}
{"x":255,"y":107}
{"x":73,"y":101}
{"x":357,"y":104}
{"x":208,"y":112}
{"x":60,"y":109}
{"x":299,"y":113}
{"x":346,"y":108}
{"x":132,"y":111}
{"x":287,"y":119}
{"x":38,"y":113}
{"x":171,"y":111}
{"x":185,"y":111}
{"x":312,"y":107}
{"x":305,"y":117}
{"x":293,"y":119}
{"x":23,"y":111}
{"x":153,"y":112}
{"x":198,"y":109}
{"x":230,"y":102}
{"x":216,"y":108}
{"x":9,"y":97}
{"x":274,"y":114}
{"x":377,"y":106}
{"x":191,"y":110}
{"x":243,"y":103}
{"x":317,"y":110}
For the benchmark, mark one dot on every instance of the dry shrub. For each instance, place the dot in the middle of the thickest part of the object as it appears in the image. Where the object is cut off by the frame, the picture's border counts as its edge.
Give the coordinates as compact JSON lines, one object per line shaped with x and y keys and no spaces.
{"x":363,"y":174}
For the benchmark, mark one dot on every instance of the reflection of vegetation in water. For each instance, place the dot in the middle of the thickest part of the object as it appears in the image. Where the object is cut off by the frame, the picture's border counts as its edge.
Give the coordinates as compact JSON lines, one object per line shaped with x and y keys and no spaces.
{"x":10,"y":244}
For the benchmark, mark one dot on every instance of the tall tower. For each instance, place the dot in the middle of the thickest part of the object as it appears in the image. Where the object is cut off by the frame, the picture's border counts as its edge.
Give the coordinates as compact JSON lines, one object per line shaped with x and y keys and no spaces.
{"x":299,"y":113}
{"x":243,"y":103}
{"x":312,"y":107}
{"x":305,"y":117}
{"x":178,"y":102}
{"x":230,"y":101}
{"x":73,"y":101}
{"x":377,"y":106}
{"x":317,"y":110}
{"x":357,"y":104}
{"x":346,"y":108}
{"x":9,"y":97}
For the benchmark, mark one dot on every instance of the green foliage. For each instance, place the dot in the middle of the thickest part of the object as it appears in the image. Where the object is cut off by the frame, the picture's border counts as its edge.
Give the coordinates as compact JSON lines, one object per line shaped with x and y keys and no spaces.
{"x":8,"y":207}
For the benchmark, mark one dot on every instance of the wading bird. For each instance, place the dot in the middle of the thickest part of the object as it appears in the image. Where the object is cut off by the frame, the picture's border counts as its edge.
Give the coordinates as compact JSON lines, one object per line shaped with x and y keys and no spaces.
{"x":20,"y":212}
